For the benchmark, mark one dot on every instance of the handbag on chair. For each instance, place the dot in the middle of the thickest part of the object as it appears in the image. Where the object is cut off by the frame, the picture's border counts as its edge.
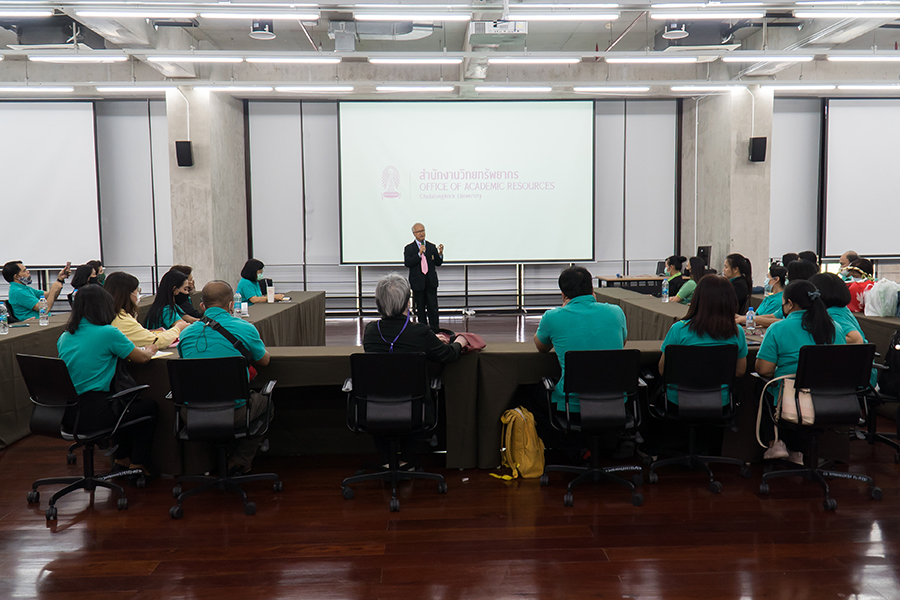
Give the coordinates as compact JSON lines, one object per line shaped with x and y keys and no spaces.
{"x":794,"y":405}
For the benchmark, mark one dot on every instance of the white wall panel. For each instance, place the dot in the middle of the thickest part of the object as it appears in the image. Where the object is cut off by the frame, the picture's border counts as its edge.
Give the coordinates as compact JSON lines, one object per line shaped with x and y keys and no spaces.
{"x":276,"y":182}
{"x":609,"y":186}
{"x":796,"y":133}
{"x":162,"y":192}
{"x":650,"y":177}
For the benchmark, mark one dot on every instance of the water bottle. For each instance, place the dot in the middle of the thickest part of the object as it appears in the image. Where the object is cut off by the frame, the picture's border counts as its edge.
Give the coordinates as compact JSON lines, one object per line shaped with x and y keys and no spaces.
{"x":751,"y":319}
{"x":237,"y":305}
{"x":45,"y":314}
{"x":665,"y":290}
{"x":4,"y":320}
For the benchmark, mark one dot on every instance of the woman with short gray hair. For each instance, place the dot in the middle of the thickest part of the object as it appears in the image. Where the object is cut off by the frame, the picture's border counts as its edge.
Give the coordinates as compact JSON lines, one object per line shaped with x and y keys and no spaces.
{"x":392,"y":295}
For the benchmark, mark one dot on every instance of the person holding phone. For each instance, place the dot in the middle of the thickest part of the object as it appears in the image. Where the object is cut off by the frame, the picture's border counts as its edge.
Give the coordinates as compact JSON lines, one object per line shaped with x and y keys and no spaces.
{"x":24,"y":299}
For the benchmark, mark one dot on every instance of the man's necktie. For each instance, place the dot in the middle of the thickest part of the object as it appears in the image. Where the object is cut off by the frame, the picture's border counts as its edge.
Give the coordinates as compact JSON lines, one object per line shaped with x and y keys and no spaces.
{"x":424,"y":263}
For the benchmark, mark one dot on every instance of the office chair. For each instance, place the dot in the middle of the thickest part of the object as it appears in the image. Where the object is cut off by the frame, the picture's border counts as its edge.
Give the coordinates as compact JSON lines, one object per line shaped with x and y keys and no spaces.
{"x":10,"y":317}
{"x":883,"y":395}
{"x":606,"y":382}
{"x":388,"y":395}
{"x":699,"y":375}
{"x":52,"y":392}
{"x":204,"y":391}
{"x":836,"y":376}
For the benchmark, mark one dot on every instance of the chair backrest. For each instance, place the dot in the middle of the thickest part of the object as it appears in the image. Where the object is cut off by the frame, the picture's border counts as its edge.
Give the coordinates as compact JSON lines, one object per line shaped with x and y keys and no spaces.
{"x":602,"y":379}
{"x":51,"y":391}
{"x":835,"y":376}
{"x":209,"y":388}
{"x":11,"y":318}
{"x":698,"y":374}
{"x":391,"y":392}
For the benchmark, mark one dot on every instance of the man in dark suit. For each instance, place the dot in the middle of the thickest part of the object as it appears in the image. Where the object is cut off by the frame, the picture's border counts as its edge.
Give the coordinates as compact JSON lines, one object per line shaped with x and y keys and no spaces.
{"x":422,"y":258}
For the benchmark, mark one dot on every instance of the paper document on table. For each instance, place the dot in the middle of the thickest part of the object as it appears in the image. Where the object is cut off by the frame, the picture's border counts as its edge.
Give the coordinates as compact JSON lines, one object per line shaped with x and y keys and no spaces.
{"x":160,"y":354}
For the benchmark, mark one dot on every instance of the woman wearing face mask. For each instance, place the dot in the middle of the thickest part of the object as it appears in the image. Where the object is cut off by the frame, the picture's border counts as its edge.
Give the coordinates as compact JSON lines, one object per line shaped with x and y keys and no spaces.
{"x":184,"y":300}
{"x":806,"y":322}
{"x":685,"y":293}
{"x":126,"y":292}
{"x":769,"y":309}
{"x":251,"y":286}
{"x":673,"y":273}
{"x":165,"y":312}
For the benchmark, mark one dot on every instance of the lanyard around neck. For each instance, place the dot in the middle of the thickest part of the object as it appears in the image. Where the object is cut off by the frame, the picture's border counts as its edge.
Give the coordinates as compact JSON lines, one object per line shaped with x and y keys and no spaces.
{"x":398,"y":335}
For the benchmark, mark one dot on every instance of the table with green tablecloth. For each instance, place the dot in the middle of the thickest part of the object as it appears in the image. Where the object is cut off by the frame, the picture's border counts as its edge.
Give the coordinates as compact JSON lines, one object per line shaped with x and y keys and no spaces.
{"x":648,"y":318}
{"x":300,"y":322}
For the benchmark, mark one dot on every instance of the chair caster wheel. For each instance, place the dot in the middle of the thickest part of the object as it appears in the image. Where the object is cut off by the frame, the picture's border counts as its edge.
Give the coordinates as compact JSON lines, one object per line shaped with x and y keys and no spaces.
{"x":637,"y":480}
{"x":278,"y":486}
{"x":71,"y":458}
{"x":176,"y":491}
{"x":395,"y":505}
{"x":250,"y":508}
{"x":347,"y":493}
{"x":34,"y":497}
{"x":746,"y":473}
{"x":140,"y":482}
{"x":647,"y":461}
{"x":830,"y":504}
{"x":568,"y":500}
{"x":545,"y":480}
{"x":442,"y":488}
{"x":637,"y":499}
{"x":122,"y":504}
{"x":176,"y":512}
{"x":51,"y":513}
{"x":876,"y":493}
{"x":764,"y":489}
{"x":715,"y":487}
{"x":653,"y":478}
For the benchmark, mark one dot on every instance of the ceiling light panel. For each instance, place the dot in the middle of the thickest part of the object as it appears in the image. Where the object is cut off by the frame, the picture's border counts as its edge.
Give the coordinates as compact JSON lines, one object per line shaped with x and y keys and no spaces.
{"x":449,"y":60}
{"x":314,"y":89}
{"x":706,"y":89}
{"x":233,"y":88}
{"x":872,"y":87}
{"x":307,"y":15}
{"x":707,"y":15}
{"x":195,"y":58}
{"x":864,"y":58}
{"x":307,"y":60}
{"x":135,"y":14}
{"x":799,"y":87}
{"x":610,"y":89}
{"x":562,"y":16}
{"x":761,"y":58}
{"x":514,"y":60}
{"x":47,"y":89}
{"x":415,"y":88}
{"x":9,"y":13}
{"x":419,"y":16}
{"x":484,"y":89}
{"x":78,"y":58}
{"x":133,"y":89}
{"x":848,"y":14}
{"x":651,"y":60}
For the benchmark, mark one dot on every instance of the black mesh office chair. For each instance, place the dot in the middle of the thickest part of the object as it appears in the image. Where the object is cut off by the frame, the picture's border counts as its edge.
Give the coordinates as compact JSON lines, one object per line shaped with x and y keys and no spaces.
{"x":52,"y":392}
{"x":11,"y":318}
{"x":389,"y":395}
{"x":606,"y":382}
{"x":204,"y":391}
{"x":886,"y":393}
{"x":700,"y":375}
{"x":836,"y":377}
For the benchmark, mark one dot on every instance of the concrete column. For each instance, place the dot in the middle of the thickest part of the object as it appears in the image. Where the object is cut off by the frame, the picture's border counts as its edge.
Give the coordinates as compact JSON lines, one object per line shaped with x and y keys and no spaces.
{"x":209,"y":202}
{"x":725,"y":197}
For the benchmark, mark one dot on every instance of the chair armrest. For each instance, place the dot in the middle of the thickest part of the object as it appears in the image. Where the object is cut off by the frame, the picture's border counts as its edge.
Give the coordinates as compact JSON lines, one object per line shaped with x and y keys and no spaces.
{"x":762,"y":378}
{"x":549,"y":383}
{"x":133,"y":390}
{"x":641,"y":382}
{"x":436,"y":383}
{"x":169,"y":396}
{"x":267,"y":389}
{"x":880,"y":367}
{"x":348,"y":385}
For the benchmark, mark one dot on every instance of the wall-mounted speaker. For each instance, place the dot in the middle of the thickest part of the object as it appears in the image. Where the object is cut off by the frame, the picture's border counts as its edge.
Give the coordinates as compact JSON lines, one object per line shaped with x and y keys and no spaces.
{"x":757,"y":149}
{"x":184,"y":155}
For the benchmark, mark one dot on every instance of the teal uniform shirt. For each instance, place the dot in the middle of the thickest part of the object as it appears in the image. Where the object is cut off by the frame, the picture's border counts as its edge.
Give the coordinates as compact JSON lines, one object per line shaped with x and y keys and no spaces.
{"x":200,"y":341}
{"x":22,"y":298}
{"x":91,"y":354}
{"x":783,"y":340}
{"x":771,"y":305}
{"x":846,"y":320}
{"x":248,"y":289}
{"x":582,"y":324}
{"x":680,"y":334}
{"x":686,"y":292}
{"x":168,"y":316}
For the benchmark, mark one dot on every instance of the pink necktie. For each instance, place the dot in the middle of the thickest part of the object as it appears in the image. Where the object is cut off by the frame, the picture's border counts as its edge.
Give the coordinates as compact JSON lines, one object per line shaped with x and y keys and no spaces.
{"x":424,"y":263}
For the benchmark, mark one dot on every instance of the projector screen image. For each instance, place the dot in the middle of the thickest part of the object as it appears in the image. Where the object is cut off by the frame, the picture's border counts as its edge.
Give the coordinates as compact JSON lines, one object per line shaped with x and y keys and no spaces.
{"x":491,"y":181}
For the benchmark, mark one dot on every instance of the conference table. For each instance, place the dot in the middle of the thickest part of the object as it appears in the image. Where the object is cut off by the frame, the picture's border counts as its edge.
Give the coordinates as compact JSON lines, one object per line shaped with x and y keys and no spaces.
{"x":298,"y":322}
{"x":644,"y":284}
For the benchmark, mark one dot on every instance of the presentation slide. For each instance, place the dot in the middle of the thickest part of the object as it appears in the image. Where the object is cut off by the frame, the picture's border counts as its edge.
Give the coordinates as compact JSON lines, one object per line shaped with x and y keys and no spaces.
{"x":862,"y":204}
{"x":491,"y":181}
{"x":49,"y":183}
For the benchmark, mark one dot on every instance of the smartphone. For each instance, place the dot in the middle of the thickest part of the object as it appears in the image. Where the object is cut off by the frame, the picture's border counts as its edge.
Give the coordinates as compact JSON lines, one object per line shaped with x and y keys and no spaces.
{"x":19,"y":325}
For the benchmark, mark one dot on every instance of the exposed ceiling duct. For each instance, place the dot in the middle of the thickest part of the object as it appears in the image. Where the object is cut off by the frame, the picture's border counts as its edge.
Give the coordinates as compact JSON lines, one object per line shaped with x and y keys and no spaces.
{"x":346,"y":33}
{"x":56,"y":31}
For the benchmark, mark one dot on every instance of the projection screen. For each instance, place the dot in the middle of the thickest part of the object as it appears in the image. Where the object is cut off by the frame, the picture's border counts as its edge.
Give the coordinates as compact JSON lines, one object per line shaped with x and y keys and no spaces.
{"x":50,"y":183}
{"x":492,"y":181}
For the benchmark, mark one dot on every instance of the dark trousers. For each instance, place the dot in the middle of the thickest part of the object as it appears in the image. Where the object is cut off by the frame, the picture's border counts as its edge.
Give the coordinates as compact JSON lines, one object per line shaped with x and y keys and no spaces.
{"x":95,"y":413}
{"x":427,"y":304}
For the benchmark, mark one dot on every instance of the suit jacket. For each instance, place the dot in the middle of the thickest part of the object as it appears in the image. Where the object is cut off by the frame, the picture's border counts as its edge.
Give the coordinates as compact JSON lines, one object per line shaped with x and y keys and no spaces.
{"x":417,"y":280}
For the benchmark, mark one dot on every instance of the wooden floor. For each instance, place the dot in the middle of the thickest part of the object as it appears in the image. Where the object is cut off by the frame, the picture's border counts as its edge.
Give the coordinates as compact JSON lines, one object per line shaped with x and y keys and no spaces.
{"x":485,"y":538}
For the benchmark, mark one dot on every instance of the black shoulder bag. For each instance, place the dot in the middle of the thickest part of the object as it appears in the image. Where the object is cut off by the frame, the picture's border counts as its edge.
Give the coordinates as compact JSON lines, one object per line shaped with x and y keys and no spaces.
{"x":238,"y":344}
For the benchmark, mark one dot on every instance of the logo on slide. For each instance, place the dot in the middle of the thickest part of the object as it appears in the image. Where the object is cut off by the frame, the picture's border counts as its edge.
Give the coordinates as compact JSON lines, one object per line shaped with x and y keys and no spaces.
{"x":390,"y":181}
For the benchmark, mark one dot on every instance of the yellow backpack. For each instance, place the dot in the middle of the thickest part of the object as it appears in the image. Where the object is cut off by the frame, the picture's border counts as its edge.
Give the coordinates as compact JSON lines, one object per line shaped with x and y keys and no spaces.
{"x":524,"y":452}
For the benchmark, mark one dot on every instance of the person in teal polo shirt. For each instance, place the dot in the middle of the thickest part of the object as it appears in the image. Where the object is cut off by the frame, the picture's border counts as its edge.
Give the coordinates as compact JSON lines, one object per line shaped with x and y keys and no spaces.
{"x":769,"y":309}
{"x":708,"y":322}
{"x":581,"y":323}
{"x":91,"y":346}
{"x":250,"y":287}
{"x":200,"y":340}
{"x":23,"y":298}
{"x":806,"y":323}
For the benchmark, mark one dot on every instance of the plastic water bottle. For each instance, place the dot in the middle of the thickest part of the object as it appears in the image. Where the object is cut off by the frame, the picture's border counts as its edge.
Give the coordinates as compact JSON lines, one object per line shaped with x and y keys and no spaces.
{"x":45,"y":314}
{"x":237,"y":305}
{"x":4,"y":320}
{"x":665,"y":290}
{"x":751,"y":319}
